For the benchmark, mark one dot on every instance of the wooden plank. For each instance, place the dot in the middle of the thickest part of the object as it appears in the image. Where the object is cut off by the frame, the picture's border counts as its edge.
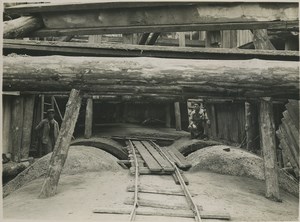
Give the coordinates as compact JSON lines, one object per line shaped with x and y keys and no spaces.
{"x":165,"y":212}
{"x":17,"y":127}
{"x":290,"y":145}
{"x":88,"y":119}
{"x":149,"y":159}
{"x":27,"y":125}
{"x":294,"y":161}
{"x":87,"y":5}
{"x":156,"y":204}
{"x":175,"y":192}
{"x":267,"y":135}
{"x":185,"y":164}
{"x":162,"y":162}
{"x":32,"y":47}
{"x":176,"y":159}
{"x":294,"y":133}
{"x":293,"y":109}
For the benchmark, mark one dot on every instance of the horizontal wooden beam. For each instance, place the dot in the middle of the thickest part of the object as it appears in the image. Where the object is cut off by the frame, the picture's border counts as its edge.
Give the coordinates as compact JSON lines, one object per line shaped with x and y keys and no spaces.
{"x":54,"y":7}
{"x":152,"y":77}
{"x":43,"y":48}
{"x":275,"y":25}
{"x":111,"y":17}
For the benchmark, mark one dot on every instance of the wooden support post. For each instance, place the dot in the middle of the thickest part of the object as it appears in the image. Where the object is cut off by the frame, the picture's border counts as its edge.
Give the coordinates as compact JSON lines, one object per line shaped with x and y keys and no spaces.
{"x":144,"y":38}
{"x":214,"y":122}
{"x":181,"y":36}
{"x":153,"y":38}
{"x":261,"y":40}
{"x":42,"y":106}
{"x":62,"y":145}
{"x":250,"y":123}
{"x":177,"y":116}
{"x":88,"y":118}
{"x":17,"y":127}
{"x":268,"y":144}
{"x":168,"y":115}
{"x":27,"y":125}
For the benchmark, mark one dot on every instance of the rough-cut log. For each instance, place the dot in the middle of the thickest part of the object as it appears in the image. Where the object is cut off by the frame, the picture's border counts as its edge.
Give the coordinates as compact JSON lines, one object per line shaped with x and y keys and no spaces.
{"x":250,"y":127}
{"x":268,"y":144}
{"x":177,"y":116}
{"x":17,"y":127}
{"x":88,"y":118}
{"x":27,"y":125}
{"x":261,"y":40}
{"x":152,"y":76}
{"x":62,"y":145}
{"x":21,"y":27}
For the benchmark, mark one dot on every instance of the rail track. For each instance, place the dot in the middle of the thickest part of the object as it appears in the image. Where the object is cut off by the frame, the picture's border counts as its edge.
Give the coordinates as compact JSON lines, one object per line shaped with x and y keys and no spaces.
{"x":184,"y":188}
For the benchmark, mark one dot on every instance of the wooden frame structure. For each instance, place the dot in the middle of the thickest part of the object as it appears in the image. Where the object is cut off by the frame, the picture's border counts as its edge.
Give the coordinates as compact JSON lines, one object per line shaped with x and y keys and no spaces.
{"x":251,"y":79}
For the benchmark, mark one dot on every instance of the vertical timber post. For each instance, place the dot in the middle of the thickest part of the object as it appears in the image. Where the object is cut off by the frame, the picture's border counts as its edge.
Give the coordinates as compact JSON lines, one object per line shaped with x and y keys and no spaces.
{"x":261,"y":40}
{"x":251,"y":131}
{"x":17,"y":127}
{"x":88,"y":119}
{"x":268,"y":144}
{"x":27,"y":125}
{"x":62,"y":145}
{"x":168,"y":115}
{"x":181,"y":36}
{"x":177,"y":116}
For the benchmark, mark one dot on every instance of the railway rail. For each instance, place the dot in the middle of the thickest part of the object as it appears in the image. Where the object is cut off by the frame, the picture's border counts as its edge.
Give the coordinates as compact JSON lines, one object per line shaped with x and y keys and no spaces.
{"x":184,"y":188}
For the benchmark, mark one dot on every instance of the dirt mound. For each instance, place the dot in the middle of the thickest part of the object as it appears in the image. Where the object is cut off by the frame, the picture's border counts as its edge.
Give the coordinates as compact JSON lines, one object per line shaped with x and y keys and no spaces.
{"x":80,"y":159}
{"x":237,"y":162}
{"x":187,"y":145}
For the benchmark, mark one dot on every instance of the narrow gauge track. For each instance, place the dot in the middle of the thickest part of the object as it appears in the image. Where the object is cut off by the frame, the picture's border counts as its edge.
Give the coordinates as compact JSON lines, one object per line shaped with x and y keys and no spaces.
{"x":184,"y":188}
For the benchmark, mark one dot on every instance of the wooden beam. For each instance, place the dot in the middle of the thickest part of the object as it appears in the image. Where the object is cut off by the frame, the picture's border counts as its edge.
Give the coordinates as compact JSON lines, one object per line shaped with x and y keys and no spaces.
{"x":153,"y":38}
{"x":173,"y":17}
{"x":268,"y":144}
{"x":17,"y":127}
{"x":27,"y":125}
{"x":181,"y":37}
{"x":250,"y":127}
{"x":21,"y":27}
{"x":78,"y":49}
{"x":169,"y":78}
{"x":261,"y":40}
{"x":165,"y":212}
{"x":88,"y":119}
{"x":177,"y":116}
{"x":144,"y":38}
{"x":62,"y":145}
{"x":289,"y":25}
{"x":168,"y":115}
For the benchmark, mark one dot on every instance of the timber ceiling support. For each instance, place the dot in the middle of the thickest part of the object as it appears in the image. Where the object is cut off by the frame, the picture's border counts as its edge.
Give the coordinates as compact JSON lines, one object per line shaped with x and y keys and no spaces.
{"x":105,"y":18}
{"x":171,"y":79}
